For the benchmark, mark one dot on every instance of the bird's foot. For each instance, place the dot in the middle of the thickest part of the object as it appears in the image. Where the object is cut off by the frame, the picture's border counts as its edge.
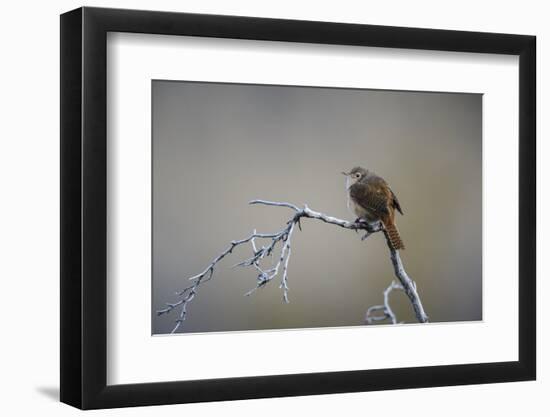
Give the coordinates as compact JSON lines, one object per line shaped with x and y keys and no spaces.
{"x":366,"y":235}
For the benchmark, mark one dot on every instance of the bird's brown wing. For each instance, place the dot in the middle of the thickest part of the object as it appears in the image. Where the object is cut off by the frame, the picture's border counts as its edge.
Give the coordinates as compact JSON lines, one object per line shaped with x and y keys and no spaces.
{"x":395,"y":202}
{"x":373,"y":195}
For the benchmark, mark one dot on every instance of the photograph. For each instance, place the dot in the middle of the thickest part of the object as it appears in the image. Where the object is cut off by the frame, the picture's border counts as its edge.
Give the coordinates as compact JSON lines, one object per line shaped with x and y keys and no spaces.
{"x":268,"y":204}
{"x":281,"y":207}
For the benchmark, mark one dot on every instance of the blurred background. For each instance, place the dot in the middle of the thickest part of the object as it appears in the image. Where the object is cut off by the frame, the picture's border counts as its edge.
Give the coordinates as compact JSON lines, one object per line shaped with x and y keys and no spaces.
{"x":218,"y":146}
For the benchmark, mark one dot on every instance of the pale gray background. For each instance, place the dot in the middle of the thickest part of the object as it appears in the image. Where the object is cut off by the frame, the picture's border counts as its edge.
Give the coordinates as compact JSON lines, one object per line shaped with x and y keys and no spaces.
{"x":217,"y":146}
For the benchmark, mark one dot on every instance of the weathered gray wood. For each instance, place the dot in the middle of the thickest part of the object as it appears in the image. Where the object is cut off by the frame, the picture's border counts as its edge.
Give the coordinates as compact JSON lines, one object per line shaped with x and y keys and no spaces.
{"x":284,"y":237}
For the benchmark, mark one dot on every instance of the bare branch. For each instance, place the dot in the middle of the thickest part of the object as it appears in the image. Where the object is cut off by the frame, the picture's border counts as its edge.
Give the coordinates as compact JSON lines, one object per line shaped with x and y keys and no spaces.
{"x":283,"y":237}
{"x":409,"y":286}
{"x":387,"y":312}
{"x":312,"y":214}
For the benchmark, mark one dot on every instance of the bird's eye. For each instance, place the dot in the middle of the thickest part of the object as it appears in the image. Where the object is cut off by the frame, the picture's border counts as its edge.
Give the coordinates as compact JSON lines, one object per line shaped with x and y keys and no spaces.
{"x":357,"y":175}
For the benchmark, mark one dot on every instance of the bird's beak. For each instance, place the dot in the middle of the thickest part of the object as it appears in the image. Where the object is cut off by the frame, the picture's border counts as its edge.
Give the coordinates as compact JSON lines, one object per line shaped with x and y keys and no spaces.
{"x":345,"y":173}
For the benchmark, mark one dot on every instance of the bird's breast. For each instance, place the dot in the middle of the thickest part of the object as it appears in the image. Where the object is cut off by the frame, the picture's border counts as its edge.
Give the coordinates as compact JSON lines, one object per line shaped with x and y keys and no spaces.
{"x":354,"y":208}
{"x":360,"y":211}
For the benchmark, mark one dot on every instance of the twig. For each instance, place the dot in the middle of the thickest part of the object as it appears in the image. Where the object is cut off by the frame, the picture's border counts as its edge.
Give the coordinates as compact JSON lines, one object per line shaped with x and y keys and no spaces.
{"x":387,"y":312}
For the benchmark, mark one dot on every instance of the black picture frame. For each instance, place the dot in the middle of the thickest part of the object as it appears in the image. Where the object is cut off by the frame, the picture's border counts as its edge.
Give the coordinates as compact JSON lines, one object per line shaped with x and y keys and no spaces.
{"x":84,"y":207}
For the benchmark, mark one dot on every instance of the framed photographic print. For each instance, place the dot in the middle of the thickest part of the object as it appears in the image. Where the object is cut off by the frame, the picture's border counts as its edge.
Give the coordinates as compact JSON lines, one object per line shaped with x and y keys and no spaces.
{"x":257,"y":207}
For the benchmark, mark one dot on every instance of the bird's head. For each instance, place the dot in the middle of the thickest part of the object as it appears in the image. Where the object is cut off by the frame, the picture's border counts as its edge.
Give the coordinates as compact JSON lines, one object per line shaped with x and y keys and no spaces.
{"x":356,"y":174}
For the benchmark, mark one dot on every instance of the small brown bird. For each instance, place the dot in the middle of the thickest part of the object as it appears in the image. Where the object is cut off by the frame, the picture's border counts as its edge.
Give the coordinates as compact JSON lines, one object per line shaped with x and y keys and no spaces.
{"x":371,"y":199}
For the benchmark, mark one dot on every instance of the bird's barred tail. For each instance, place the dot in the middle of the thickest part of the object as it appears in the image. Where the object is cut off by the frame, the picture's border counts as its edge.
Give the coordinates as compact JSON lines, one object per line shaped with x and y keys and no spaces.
{"x":392,"y":235}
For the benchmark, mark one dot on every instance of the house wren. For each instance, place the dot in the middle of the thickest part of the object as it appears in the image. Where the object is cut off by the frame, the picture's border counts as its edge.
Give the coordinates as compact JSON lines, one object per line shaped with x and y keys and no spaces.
{"x":371,"y":199}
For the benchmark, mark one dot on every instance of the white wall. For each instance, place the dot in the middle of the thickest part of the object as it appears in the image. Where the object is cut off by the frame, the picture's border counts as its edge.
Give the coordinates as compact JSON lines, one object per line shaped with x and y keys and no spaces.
{"x":29,"y":210}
